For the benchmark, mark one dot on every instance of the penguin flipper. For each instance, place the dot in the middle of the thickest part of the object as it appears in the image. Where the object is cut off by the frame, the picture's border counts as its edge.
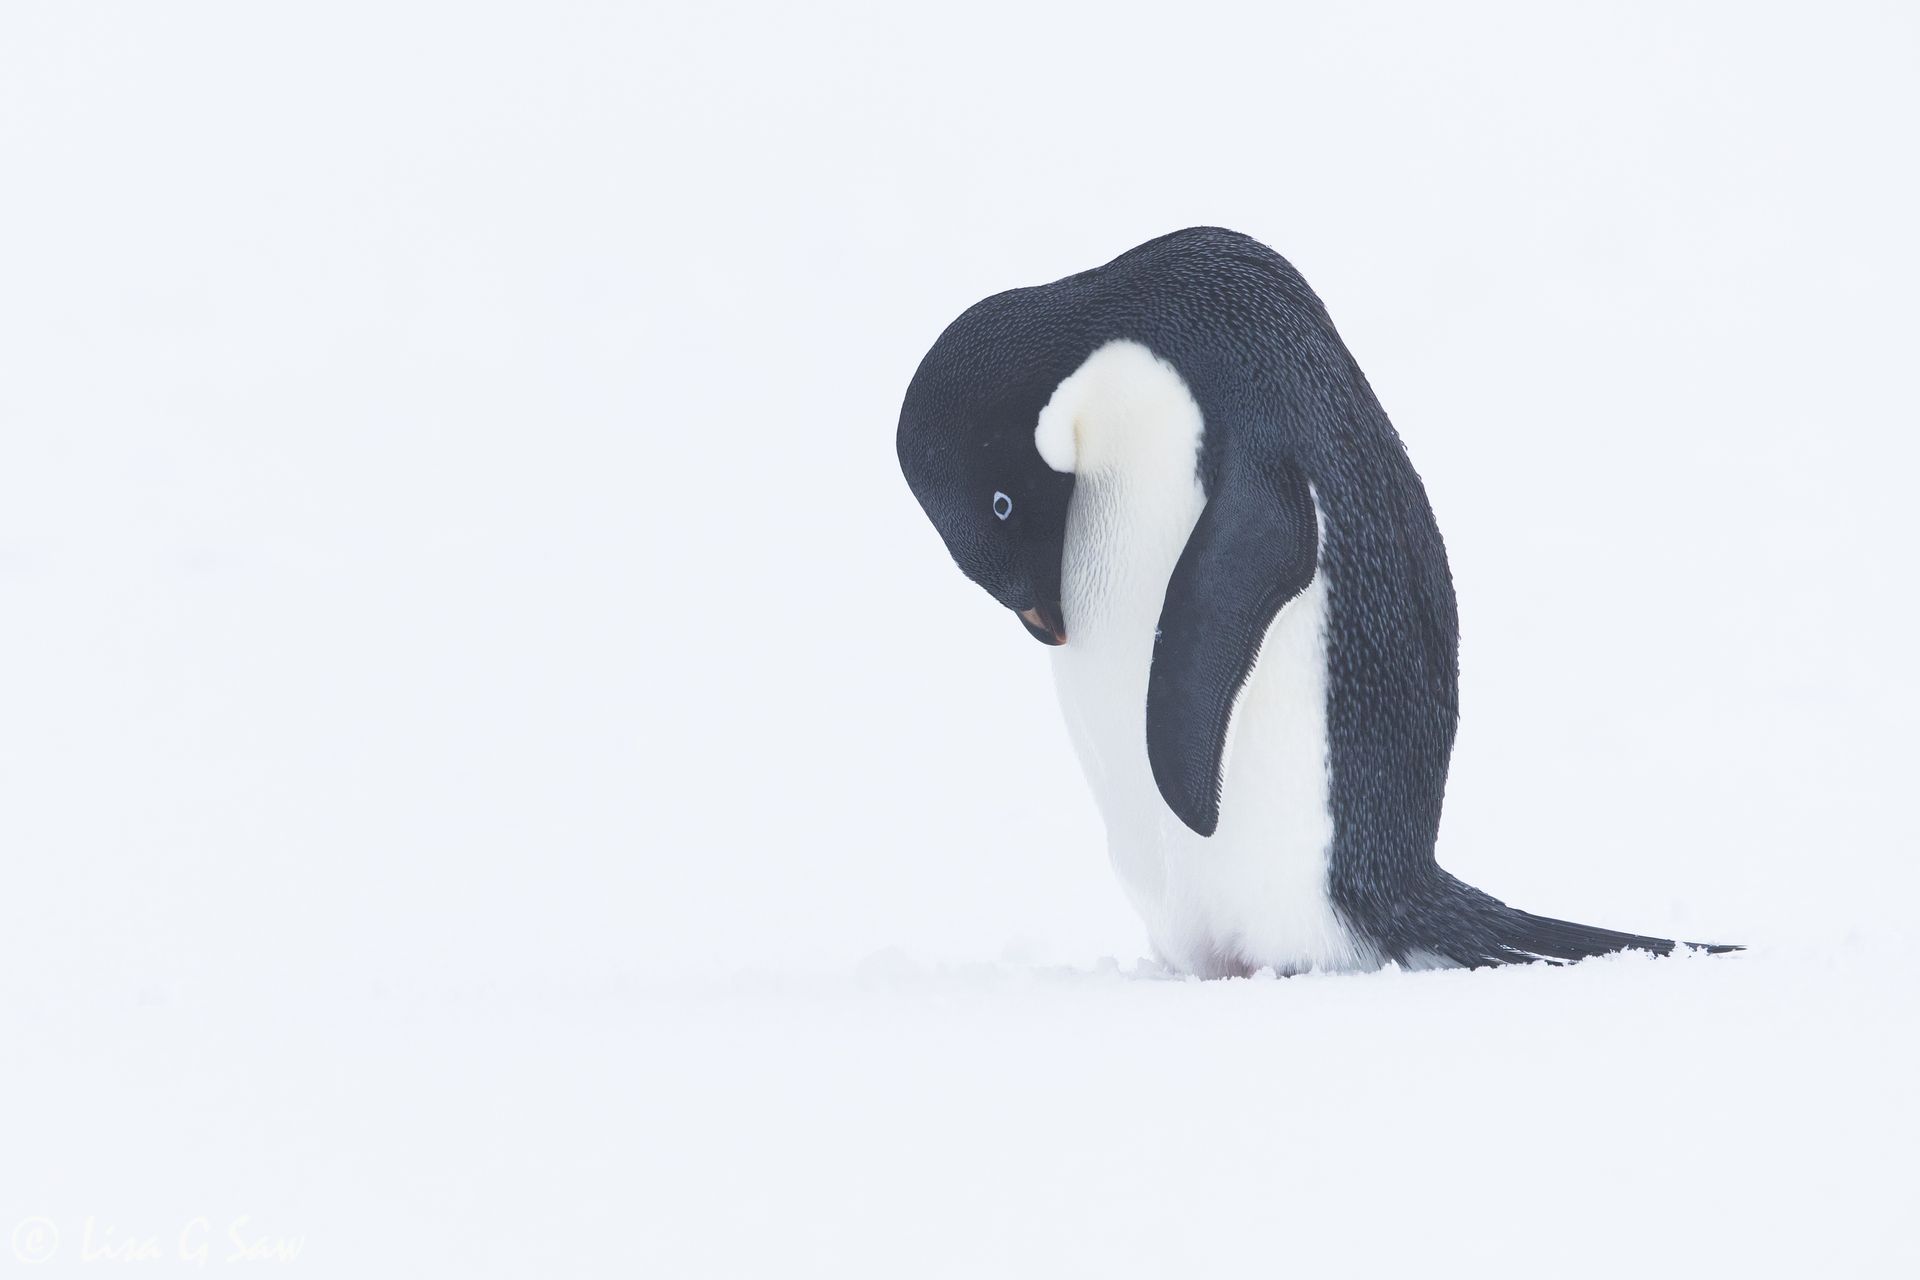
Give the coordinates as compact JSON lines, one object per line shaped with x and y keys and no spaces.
{"x":1255,"y":548}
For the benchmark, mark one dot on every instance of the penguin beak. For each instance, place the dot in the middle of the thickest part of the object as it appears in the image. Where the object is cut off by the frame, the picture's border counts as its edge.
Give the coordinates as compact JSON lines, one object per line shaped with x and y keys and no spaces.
{"x":1043,"y":623}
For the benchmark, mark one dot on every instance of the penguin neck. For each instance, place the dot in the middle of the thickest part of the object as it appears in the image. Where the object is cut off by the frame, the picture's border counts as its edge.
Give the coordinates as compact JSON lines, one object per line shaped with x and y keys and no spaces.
{"x":1128,"y":428}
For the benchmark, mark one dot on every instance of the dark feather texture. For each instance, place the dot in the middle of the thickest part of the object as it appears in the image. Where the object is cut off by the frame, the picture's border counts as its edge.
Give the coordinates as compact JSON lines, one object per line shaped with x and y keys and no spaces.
{"x":1285,"y":406}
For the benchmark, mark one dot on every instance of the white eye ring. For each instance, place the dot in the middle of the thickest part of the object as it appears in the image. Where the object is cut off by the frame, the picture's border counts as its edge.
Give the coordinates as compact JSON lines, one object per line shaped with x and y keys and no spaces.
{"x":1002,"y":504}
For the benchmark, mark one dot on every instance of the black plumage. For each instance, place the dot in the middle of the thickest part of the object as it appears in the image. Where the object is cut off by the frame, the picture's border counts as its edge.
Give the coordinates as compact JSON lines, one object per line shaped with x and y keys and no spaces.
{"x":1285,"y":406}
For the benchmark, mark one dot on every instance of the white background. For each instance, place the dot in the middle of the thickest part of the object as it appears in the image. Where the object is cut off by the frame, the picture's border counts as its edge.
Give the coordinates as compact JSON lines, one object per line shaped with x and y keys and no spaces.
{"x":497,"y":776}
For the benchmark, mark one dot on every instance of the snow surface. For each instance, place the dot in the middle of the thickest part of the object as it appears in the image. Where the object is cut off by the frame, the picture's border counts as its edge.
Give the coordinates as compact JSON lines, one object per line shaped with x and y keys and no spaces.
{"x":497,"y":776}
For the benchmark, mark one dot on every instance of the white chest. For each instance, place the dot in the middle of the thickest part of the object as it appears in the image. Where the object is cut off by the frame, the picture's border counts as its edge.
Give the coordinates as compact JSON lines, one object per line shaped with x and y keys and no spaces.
{"x":1254,"y":894}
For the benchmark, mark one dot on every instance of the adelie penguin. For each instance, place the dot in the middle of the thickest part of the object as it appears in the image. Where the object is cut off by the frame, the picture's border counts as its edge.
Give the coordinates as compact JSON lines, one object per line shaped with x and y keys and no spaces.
{"x":1171,"y":468}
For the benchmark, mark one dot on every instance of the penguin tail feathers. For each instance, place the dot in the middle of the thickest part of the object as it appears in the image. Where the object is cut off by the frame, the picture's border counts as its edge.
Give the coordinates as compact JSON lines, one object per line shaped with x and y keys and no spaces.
{"x":1522,"y":937}
{"x":1473,"y":929}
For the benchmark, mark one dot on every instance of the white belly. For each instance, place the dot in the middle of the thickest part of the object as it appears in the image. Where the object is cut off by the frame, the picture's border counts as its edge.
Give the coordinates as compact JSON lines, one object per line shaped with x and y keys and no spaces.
{"x":1253,"y":895}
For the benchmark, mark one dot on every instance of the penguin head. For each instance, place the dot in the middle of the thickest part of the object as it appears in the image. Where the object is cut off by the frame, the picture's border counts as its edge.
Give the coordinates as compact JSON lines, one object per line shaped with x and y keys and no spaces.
{"x":966,"y":445}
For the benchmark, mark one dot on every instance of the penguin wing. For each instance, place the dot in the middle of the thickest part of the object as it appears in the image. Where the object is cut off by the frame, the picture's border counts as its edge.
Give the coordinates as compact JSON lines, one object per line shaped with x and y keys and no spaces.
{"x":1254,"y":549}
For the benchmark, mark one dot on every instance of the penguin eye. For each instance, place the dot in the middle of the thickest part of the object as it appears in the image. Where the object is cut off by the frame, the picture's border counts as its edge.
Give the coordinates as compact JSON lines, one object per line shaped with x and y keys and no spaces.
{"x":1002,"y":504}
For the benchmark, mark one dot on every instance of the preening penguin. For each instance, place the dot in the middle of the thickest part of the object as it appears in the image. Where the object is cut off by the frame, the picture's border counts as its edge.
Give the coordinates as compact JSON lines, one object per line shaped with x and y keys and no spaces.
{"x":1173,"y":471}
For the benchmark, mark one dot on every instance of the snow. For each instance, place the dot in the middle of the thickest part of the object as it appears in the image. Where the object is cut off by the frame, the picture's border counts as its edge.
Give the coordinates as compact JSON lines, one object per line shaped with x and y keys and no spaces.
{"x":1700,"y":1116}
{"x":497,"y":776}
